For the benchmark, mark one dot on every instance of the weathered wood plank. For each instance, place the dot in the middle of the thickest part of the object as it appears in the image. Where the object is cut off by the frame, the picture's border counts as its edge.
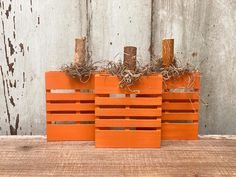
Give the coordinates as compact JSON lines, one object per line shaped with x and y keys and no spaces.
{"x":36,"y":157}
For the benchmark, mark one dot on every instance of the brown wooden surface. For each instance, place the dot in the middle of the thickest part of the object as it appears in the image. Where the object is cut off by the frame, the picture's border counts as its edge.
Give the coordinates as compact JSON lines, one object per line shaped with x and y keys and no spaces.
{"x":36,"y":157}
{"x":167,"y":51}
{"x":80,"y":51}
{"x":130,"y":55}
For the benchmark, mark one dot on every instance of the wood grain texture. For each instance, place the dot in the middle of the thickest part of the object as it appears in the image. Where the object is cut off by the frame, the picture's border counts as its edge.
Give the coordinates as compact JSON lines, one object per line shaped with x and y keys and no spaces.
{"x":35,"y":157}
{"x":34,"y":33}
{"x":115,"y":24}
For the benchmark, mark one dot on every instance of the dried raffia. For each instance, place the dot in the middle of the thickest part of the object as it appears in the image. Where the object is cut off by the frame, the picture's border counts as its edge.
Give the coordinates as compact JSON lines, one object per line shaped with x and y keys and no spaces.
{"x":127,"y":77}
{"x":82,"y":70}
{"x":173,"y":70}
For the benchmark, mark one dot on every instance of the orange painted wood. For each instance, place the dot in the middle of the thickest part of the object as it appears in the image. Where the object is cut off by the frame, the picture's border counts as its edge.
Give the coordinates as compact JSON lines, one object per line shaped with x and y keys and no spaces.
{"x":179,"y":116}
{"x":70,"y":96}
{"x":172,"y":106}
{"x":128,"y":138}
{"x":136,"y":112}
{"x":181,"y":106}
{"x":191,"y":80}
{"x":107,"y":84}
{"x":180,"y":96}
{"x":118,"y":112}
{"x":59,"y":80}
{"x":179,"y":131}
{"x":60,"y":132}
{"x":129,"y":101}
{"x":70,"y":106}
{"x":127,"y":123}
{"x":70,"y":117}
{"x":73,"y":107}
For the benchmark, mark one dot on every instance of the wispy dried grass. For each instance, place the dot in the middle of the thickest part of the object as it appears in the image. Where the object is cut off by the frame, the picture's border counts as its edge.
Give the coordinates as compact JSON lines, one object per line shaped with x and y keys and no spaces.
{"x":82,"y":70}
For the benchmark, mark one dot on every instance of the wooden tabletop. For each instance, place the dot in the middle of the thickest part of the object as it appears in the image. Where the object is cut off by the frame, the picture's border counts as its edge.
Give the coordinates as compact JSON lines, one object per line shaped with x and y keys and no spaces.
{"x":33,"y":156}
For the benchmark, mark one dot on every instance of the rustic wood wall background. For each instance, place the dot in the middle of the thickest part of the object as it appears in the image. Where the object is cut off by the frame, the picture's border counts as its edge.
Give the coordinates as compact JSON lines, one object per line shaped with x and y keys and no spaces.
{"x":38,"y":36}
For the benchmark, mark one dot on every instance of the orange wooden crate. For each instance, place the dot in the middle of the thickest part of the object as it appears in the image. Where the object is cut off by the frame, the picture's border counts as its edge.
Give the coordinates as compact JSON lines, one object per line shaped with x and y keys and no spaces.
{"x":180,"y":107}
{"x":125,"y":119}
{"x":70,"y":115}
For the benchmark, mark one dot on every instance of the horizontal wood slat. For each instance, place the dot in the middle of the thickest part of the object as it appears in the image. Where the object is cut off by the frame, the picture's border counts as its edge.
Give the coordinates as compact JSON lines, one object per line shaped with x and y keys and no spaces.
{"x":135,"y":112}
{"x":179,"y":116}
{"x":107,"y":84}
{"x":60,"y":80}
{"x":191,"y":80}
{"x":128,"y":138}
{"x":180,"y":96}
{"x":70,"y":117}
{"x":70,"y":106}
{"x":180,"y":106}
{"x":128,"y":101}
{"x":60,"y":132}
{"x":127,"y":123}
{"x":179,"y":131}
{"x":70,"y":96}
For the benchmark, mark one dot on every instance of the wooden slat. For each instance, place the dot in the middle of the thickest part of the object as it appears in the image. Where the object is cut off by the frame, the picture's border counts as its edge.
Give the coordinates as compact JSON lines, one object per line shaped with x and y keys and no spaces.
{"x":191,"y":80}
{"x":175,"y":96}
{"x":128,"y":138}
{"x":60,"y":132}
{"x":59,"y":80}
{"x":179,"y":116}
{"x":180,"y":106}
{"x":70,"y":106}
{"x":70,"y":96}
{"x":179,"y":131}
{"x":70,"y":117}
{"x":127,"y":112}
{"x":107,"y":84}
{"x":127,"y":123}
{"x":128,"y":101}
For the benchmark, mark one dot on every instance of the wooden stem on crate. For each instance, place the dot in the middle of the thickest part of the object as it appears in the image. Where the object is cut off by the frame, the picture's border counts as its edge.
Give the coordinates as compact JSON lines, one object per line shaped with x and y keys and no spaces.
{"x":130,"y":54}
{"x":167,"y":52}
{"x":80,"y":50}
